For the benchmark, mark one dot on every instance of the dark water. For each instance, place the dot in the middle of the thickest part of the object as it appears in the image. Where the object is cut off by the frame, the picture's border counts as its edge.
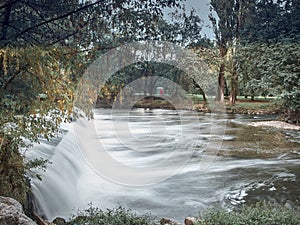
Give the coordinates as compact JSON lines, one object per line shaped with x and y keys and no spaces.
{"x":191,"y":162}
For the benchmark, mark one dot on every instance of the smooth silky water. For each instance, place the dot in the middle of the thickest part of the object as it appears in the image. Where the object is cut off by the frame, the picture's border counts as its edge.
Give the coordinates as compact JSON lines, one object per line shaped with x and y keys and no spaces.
{"x":237,"y":175}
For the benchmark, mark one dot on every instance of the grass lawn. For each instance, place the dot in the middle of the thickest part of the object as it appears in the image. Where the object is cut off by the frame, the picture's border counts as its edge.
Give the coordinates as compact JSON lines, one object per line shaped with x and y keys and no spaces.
{"x":260,"y":105}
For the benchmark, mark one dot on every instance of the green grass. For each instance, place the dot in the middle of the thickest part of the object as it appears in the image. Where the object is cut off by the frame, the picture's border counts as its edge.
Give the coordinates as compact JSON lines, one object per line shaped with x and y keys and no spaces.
{"x":253,"y":215}
{"x":259,"y":104}
{"x":197,"y":99}
{"x":269,"y":105}
{"x":256,"y":105}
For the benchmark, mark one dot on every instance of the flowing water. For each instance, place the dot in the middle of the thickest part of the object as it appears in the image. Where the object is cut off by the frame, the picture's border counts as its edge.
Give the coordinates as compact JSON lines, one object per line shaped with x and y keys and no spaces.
{"x":190,"y":162}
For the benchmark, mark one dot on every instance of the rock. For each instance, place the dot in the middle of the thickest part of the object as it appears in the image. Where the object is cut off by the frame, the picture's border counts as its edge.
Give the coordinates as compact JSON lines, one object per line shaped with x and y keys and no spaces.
{"x":190,"y":221}
{"x":289,"y":204}
{"x":166,"y":221}
{"x":59,"y":221}
{"x":11,"y":213}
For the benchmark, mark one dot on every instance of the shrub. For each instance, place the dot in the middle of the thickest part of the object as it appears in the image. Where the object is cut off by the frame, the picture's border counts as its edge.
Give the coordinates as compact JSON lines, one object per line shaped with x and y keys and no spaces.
{"x":12,"y":171}
{"x":117,"y":216}
{"x":253,"y":215}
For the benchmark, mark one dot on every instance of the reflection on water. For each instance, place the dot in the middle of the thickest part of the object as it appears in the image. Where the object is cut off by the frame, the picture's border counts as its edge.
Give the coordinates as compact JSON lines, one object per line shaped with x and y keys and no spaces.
{"x":261,"y":164}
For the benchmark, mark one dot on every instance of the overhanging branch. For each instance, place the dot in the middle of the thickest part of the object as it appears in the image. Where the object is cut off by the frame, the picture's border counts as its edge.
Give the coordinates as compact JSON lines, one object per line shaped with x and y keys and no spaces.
{"x":58,"y":17}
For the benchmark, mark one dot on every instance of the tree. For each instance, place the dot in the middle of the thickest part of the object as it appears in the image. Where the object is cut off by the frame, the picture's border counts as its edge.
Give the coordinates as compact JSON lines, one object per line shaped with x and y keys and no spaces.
{"x":273,"y":69}
{"x":224,"y":29}
{"x":272,"y":21}
{"x":35,"y":99}
{"x":269,"y":51}
{"x":232,"y":16}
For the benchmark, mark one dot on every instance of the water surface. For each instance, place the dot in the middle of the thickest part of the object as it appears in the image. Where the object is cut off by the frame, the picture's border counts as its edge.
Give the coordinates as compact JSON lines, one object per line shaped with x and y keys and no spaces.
{"x":252,"y":164}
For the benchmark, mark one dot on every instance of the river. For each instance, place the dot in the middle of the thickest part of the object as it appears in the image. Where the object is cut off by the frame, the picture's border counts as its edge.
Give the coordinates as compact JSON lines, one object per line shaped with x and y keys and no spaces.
{"x":181,"y":163}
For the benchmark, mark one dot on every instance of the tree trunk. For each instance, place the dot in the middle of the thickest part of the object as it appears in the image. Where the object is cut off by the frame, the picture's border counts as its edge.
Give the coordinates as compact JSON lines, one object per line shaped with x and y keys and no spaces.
{"x":234,"y":87}
{"x":201,"y":92}
{"x":221,"y":82}
{"x":152,"y":81}
{"x":234,"y":78}
{"x":146,"y":80}
{"x":204,"y":98}
{"x":221,"y":78}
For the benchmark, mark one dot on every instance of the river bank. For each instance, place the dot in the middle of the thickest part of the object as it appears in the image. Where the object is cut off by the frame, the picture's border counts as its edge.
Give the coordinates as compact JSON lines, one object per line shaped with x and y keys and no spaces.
{"x":275,"y":124}
{"x":242,"y":106}
{"x":11,"y":213}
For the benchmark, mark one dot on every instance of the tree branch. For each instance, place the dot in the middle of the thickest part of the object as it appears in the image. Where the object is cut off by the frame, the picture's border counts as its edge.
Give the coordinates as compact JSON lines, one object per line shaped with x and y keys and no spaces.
{"x":59,"y":17}
{"x":66,"y":36}
{"x":10,"y":79}
{"x":9,"y":4}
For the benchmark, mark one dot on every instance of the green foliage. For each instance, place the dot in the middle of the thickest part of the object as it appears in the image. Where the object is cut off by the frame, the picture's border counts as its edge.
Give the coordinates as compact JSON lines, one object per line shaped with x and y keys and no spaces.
{"x":79,"y":23}
{"x":36,"y":95}
{"x":269,"y":32}
{"x":271,"y":69}
{"x":39,"y":164}
{"x":117,"y":216}
{"x":12,"y":170}
{"x":184,"y":29}
{"x":272,"y":21}
{"x":253,"y":215}
{"x":225,"y":26}
{"x":24,"y":23}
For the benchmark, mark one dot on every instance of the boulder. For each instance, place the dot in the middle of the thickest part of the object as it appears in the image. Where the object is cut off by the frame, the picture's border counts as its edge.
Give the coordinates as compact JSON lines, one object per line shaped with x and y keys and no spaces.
{"x":166,"y":221}
{"x":11,"y":213}
{"x":59,"y":221}
{"x":190,"y":221}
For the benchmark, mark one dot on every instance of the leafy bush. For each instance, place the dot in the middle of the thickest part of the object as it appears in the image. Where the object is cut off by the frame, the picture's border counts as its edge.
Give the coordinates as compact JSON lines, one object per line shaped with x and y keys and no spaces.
{"x":36,"y":95}
{"x":12,"y":171}
{"x":253,"y":215}
{"x":120,"y":215}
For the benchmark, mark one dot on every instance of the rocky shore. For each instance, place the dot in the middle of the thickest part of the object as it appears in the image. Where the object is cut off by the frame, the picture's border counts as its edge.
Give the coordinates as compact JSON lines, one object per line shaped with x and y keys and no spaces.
{"x":275,"y":124}
{"x":12,"y":213}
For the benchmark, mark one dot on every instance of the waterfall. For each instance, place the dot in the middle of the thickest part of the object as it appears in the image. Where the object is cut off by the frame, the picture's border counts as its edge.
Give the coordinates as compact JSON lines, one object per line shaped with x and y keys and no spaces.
{"x":70,"y":183}
{"x":58,"y":188}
